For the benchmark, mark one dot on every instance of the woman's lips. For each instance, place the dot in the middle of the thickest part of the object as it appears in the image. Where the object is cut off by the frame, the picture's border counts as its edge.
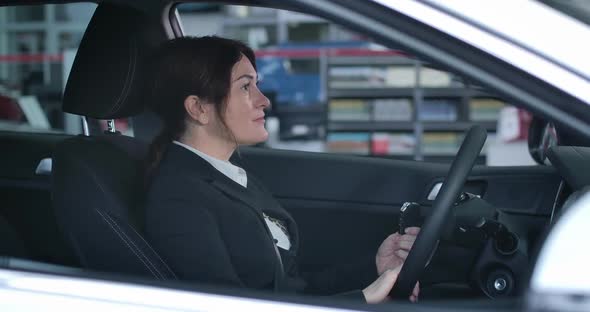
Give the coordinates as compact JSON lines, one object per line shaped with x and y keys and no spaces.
{"x":259,"y":120}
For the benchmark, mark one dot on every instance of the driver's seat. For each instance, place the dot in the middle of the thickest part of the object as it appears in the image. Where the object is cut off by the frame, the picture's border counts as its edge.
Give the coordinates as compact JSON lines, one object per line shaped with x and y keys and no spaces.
{"x":98,"y":184}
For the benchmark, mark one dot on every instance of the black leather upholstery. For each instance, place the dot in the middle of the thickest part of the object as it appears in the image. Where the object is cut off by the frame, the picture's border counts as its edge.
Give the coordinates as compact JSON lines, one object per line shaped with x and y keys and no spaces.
{"x":105,"y":80}
{"x":97,"y":194}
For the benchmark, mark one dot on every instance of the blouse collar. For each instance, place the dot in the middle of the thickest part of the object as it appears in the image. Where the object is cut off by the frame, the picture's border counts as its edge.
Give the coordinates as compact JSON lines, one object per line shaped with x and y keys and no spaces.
{"x":230,"y":170}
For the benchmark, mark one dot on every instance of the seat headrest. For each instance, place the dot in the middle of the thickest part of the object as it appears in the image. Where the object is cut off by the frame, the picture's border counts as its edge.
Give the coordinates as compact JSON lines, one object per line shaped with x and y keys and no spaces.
{"x":104,"y":82}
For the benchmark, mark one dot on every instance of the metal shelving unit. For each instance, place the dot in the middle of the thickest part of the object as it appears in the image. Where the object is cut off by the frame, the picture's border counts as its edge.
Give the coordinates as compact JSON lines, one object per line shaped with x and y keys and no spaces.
{"x":370,"y":93}
{"x":389,"y":92}
{"x":361,"y":126}
{"x":397,"y":126}
{"x":414,"y":122}
{"x":420,"y":97}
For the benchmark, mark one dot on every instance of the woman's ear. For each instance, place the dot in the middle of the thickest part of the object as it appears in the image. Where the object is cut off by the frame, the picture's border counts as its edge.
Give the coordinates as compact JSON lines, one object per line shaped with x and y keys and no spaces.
{"x":197,"y":109}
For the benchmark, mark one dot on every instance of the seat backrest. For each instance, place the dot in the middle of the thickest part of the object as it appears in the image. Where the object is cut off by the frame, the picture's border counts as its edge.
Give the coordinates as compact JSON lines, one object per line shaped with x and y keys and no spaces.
{"x":97,"y":192}
{"x":97,"y":182}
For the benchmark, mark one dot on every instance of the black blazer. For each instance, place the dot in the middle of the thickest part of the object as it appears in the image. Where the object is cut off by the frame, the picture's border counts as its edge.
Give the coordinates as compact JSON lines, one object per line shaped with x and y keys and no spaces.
{"x":210,"y":229}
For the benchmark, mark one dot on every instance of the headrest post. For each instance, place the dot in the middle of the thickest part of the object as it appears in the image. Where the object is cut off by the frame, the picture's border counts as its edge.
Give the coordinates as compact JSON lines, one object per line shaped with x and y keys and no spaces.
{"x":111,"y":126}
{"x":85,"y":126}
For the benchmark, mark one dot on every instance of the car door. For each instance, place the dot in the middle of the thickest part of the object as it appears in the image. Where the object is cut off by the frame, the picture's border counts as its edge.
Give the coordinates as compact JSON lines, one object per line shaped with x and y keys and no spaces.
{"x":346,"y":205}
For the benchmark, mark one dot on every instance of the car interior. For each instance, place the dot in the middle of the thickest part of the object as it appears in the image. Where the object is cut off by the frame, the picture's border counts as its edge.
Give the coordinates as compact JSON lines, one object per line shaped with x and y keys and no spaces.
{"x":83,"y":214}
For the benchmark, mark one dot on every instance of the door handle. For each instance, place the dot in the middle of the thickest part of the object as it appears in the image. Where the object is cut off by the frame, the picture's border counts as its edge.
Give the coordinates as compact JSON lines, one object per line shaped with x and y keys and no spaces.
{"x":434,"y":191}
{"x":44,"y":167}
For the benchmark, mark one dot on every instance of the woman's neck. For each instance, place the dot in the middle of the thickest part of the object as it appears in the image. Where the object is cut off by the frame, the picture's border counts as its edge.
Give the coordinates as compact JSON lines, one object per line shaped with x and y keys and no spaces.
{"x":213,"y":146}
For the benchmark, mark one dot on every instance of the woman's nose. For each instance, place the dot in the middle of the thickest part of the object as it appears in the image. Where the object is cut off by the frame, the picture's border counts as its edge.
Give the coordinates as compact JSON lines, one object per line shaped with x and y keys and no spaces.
{"x":266,"y":102}
{"x":263,"y":101}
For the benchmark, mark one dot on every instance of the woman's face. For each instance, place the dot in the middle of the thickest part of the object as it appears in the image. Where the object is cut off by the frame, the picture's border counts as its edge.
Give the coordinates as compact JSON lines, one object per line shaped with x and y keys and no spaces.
{"x":244,"y":115}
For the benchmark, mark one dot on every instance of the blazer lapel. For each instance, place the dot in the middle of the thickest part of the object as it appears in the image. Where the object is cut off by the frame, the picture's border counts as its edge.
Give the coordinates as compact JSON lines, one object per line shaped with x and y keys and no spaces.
{"x":200,"y":168}
{"x":256,"y":197}
{"x":237,"y":192}
{"x":274,"y":209}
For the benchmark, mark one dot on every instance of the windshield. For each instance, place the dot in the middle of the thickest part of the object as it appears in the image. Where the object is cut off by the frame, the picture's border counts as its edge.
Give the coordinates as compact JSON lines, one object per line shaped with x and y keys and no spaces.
{"x":530,"y":35}
{"x":531,"y":26}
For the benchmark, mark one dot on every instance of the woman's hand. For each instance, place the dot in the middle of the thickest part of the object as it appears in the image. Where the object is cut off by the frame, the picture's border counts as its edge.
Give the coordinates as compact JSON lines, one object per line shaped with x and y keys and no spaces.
{"x":394,"y":250}
{"x":379,"y":290}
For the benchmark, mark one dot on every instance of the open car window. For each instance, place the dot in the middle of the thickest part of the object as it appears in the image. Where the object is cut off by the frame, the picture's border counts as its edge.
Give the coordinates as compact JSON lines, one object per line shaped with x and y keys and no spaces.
{"x":336,"y":91}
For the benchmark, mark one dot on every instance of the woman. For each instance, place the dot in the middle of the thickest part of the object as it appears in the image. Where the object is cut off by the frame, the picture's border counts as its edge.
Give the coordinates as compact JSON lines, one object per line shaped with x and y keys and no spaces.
{"x":209,"y":219}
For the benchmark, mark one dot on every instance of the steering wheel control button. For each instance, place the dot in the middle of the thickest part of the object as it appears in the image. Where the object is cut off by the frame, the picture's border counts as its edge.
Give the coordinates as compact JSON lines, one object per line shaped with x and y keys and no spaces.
{"x":465,"y":196}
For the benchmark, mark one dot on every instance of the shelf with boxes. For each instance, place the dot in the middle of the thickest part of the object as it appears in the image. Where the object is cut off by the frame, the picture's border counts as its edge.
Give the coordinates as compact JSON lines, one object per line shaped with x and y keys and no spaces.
{"x":398,"y":106}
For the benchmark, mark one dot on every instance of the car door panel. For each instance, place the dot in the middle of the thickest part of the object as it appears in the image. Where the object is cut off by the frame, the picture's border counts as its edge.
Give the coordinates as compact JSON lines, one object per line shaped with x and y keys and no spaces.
{"x":26,"y":197}
{"x":26,"y":152}
{"x":388,"y":182}
{"x":346,"y":205}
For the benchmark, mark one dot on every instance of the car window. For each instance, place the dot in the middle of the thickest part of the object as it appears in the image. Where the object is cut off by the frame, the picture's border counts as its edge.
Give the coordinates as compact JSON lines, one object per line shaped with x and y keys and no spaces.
{"x":335,"y":91}
{"x":37,"y":48}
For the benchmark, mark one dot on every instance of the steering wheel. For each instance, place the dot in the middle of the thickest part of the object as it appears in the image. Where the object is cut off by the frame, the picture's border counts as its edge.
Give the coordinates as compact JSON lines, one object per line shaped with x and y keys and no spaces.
{"x":434,"y":225}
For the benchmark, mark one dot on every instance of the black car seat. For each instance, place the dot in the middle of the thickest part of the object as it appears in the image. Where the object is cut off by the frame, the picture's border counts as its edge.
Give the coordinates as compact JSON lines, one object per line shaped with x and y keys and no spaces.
{"x":97,"y":181}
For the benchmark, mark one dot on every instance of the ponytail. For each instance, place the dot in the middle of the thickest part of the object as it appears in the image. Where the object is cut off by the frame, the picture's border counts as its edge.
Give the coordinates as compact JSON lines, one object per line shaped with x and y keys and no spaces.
{"x":156,"y":152}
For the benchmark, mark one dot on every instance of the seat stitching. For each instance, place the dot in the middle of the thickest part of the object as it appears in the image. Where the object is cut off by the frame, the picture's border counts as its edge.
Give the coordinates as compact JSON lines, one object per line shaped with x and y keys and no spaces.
{"x":130,"y":72}
{"x":138,"y":249}
{"x":126,"y":243}
{"x":95,"y":179}
{"x":134,"y":245}
{"x":155,"y":253}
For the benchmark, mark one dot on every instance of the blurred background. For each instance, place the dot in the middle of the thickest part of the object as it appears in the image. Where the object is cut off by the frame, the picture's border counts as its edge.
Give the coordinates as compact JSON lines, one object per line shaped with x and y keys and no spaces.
{"x":331,"y":89}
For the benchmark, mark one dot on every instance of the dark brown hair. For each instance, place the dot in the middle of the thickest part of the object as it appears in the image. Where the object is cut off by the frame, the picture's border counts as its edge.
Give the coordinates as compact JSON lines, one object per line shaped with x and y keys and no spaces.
{"x":189,"y":66}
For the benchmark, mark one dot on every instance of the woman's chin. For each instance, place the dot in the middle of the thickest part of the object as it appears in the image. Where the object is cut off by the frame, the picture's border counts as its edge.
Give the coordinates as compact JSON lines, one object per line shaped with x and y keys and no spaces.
{"x":263,"y":137}
{"x":260,"y":138}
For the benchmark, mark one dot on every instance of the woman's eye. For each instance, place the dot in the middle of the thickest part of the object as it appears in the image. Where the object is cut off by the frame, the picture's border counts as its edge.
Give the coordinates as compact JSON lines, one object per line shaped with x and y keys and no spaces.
{"x":246,"y":87}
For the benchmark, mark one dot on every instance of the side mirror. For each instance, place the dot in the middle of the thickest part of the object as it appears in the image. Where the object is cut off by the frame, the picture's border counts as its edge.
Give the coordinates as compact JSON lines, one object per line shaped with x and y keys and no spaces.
{"x":542,"y":135}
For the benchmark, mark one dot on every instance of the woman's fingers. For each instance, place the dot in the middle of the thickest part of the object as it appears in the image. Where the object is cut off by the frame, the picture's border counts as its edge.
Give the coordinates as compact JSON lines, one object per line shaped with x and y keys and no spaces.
{"x":402,"y":253}
{"x":407,"y":238}
{"x":394,"y":236}
{"x":416,"y":292}
{"x":412,"y":230}
{"x":404,"y":244}
{"x":379,"y":290}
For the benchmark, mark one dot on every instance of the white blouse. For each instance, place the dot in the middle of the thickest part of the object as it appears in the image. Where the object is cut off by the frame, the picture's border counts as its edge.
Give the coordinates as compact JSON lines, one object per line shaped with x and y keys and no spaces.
{"x":238,"y":175}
